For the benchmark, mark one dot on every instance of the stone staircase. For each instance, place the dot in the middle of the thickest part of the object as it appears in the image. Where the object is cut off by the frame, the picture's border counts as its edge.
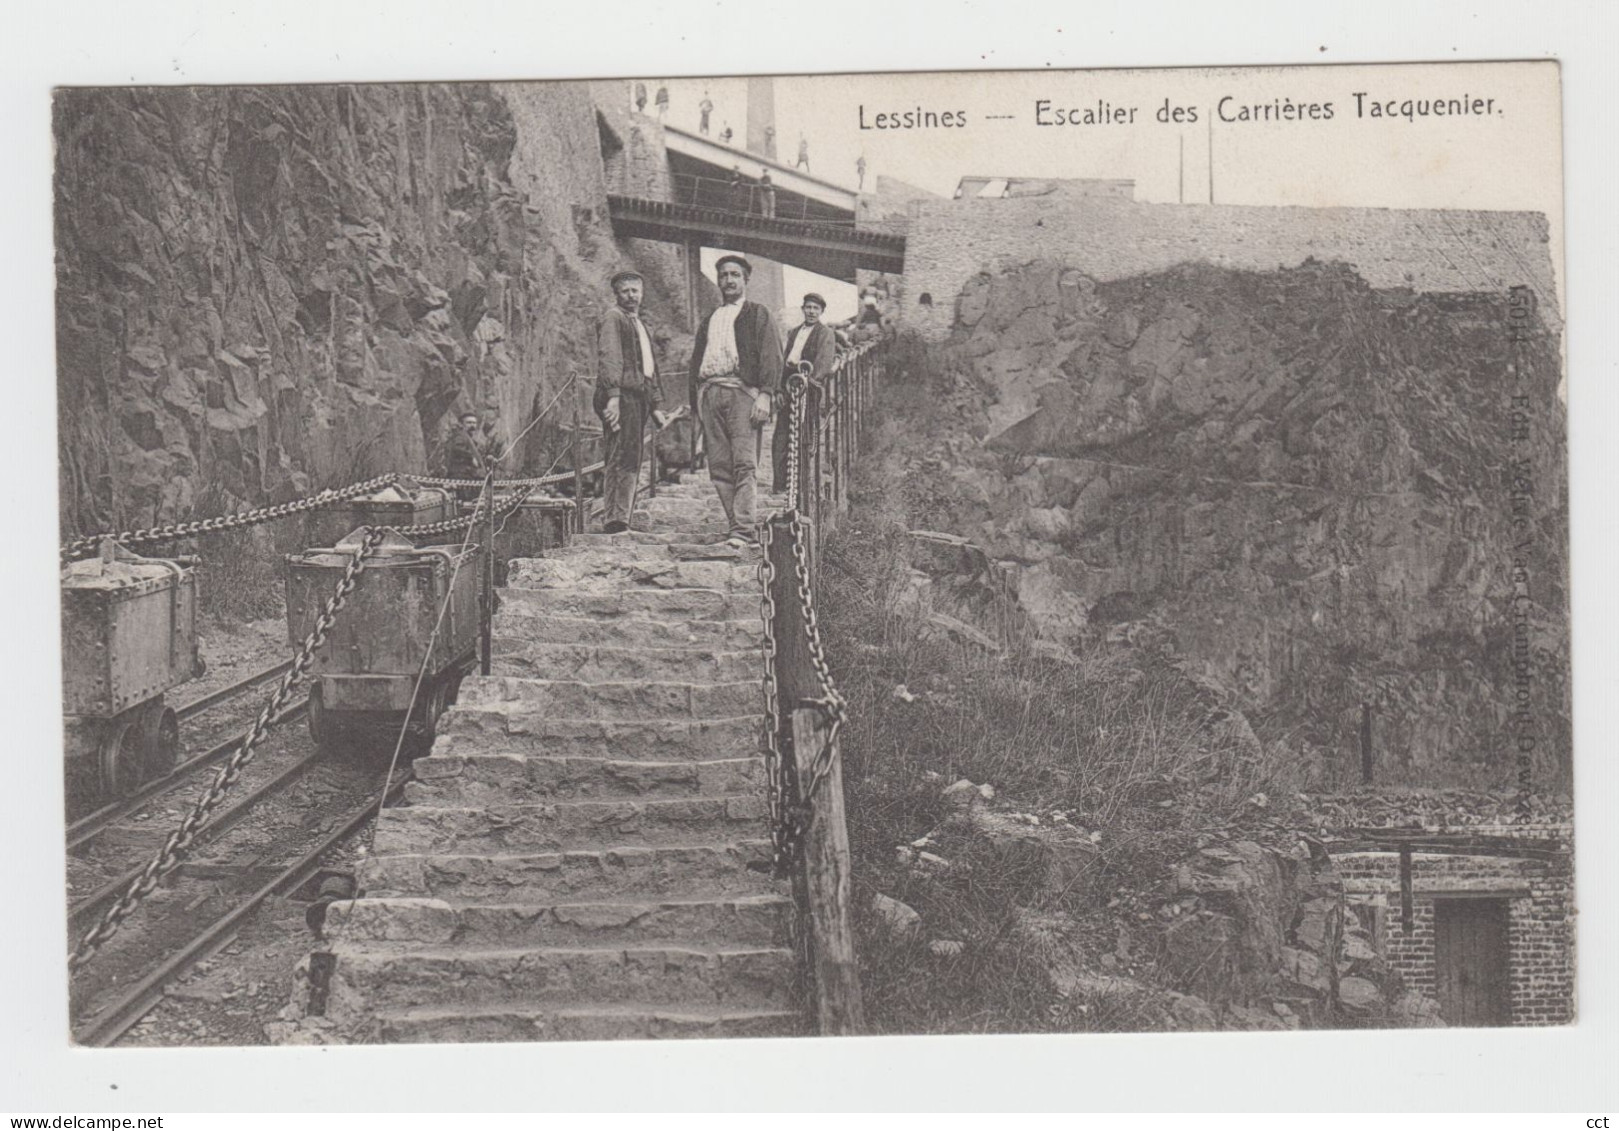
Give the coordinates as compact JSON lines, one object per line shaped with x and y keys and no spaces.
{"x":584,"y":854}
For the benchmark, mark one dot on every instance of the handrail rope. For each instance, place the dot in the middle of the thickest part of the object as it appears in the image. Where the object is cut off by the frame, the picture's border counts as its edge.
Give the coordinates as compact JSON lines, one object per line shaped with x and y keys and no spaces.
{"x":486,"y":499}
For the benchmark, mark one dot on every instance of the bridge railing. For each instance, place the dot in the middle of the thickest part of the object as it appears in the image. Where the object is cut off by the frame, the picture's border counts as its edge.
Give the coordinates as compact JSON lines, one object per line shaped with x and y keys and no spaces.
{"x":747,"y":195}
{"x":804,"y":710}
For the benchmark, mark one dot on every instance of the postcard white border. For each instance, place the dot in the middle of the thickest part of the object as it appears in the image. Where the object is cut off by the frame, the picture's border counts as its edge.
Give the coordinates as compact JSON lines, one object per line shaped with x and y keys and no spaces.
{"x":318,"y":40}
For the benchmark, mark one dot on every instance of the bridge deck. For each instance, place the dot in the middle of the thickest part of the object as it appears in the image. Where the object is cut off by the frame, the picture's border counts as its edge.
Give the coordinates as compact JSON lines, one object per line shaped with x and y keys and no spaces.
{"x":834,"y":250}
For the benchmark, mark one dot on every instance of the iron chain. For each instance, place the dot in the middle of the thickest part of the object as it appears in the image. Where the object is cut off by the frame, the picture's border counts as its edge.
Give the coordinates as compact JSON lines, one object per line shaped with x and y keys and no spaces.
{"x":541,"y":481}
{"x":180,"y":840}
{"x":457,"y":525}
{"x":791,"y":808}
{"x":242,"y":519}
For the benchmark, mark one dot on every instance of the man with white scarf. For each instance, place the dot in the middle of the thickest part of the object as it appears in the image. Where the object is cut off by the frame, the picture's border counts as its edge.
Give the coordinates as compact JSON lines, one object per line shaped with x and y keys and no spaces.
{"x":735,"y":367}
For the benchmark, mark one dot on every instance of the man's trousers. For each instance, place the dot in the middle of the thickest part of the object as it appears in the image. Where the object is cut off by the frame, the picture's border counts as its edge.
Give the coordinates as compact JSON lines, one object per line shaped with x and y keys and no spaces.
{"x":621,"y":474}
{"x":732,"y":441}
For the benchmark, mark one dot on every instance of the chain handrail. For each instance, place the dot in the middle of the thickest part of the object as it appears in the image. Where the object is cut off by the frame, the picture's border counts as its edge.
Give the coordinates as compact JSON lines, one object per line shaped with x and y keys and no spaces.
{"x":179,"y":842}
{"x":79,"y":547}
{"x":791,"y":807}
{"x":538,"y":481}
{"x":457,"y":525}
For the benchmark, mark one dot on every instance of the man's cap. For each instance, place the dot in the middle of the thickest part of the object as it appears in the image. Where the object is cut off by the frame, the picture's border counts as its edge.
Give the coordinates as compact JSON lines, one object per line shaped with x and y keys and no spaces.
{"x":747,"y":268}
{"x":622,"y":275}
{"x":816,"y":299}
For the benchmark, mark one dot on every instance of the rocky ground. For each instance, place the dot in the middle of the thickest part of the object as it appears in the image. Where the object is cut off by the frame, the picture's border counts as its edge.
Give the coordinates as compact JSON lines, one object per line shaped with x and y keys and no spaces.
{"x":1050,"y":838}
{"x":1289,"y":480}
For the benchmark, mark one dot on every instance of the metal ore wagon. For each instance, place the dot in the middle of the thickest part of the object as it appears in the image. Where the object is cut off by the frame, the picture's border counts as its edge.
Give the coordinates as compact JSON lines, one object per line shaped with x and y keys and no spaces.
{"x":129,"y":634}
{"x":388,"y":637}
{"x":403,"y":503}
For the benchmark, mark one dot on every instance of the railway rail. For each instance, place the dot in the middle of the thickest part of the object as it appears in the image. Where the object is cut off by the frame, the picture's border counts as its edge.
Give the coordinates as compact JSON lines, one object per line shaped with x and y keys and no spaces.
{"x":84,"y":829}
{"x":116,"y":1009}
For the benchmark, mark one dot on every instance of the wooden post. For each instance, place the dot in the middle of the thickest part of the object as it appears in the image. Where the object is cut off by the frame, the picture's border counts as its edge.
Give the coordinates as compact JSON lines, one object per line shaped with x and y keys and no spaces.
{"x":487,"y":628}
{"x":1407,"y":886}
{"x":828,"y":892}
{"x":821,"y":880}
{"x":578,"y":476}
{"x":1366,"y":744}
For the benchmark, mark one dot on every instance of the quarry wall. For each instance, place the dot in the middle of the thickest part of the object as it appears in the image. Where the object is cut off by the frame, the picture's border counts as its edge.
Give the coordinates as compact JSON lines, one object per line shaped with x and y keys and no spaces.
{"x":268,"y":290}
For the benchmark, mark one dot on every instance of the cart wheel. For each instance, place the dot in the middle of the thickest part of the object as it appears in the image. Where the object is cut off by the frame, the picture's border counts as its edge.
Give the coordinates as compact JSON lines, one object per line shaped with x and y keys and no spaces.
{"x":424,"y":727}
{"x":313,"y":714}
{"x":160,"y":741}
{"x":118,"y":759}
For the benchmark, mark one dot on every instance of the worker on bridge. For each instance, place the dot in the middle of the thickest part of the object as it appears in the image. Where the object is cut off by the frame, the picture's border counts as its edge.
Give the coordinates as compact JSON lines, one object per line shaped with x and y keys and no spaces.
{"x":627,"y":394}
{"x":813,"y":342}
{"x":735,"y":368}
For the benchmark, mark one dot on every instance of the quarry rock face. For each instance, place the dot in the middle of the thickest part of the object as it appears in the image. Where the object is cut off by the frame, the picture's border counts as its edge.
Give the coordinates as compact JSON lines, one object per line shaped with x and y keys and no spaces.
{"x":276,"y":289}
{"x":1298,"y":484}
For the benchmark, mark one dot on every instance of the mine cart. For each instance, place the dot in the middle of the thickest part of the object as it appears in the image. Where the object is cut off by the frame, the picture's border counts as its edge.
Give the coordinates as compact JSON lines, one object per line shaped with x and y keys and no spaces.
{"x":365,"y":677}
{"x":405,"y":503}
{"x":129,"y":633}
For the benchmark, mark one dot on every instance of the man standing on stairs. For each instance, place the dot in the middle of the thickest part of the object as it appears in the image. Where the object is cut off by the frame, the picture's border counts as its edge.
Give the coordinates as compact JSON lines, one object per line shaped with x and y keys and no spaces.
{"x":812,"y":341}
{"x":735,"y":367}
{"x":627,"y":393}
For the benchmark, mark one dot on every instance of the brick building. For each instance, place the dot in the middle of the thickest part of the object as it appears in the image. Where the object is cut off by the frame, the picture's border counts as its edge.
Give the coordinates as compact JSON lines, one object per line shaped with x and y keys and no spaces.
{"x":1490,"y":931}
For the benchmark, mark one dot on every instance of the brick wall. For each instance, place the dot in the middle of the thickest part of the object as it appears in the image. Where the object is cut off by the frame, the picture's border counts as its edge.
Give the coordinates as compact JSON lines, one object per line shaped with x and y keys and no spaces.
{"x":1540,"y":930}
{"x":1427,"y":250}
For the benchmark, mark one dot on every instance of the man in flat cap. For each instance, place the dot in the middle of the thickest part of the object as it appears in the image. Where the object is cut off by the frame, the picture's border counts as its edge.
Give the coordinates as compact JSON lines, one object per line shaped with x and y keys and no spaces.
{"x":627,"y":392}
{"x":735,"y":367}
{"x":810,"y":342}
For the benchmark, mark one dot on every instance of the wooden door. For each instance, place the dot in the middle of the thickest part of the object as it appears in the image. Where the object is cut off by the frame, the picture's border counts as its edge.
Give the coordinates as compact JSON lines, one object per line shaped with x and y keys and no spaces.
{"x":1470,"y":956}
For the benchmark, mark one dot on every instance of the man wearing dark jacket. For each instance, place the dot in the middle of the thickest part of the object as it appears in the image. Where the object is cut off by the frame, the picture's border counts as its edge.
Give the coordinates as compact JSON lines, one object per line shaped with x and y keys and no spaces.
{"x":627,"y":392}
{"x":811,"y":343}
{"x":463,"y":456}
{"x":735,"y":367}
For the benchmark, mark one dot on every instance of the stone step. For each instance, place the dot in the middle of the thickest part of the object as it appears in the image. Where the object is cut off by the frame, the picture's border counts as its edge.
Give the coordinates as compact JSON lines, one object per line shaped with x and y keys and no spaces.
{"x":557,"y":826}
{"x":610,"y":572}
{"x":595,"y":539}
{"x":748,"y":921}
{"x":680,"y":506}
{"x":493,"y":779}
{"x":598,"y":662}
{"x":385,"y":976}
{"x":730,"y":635}
{"x":708,"y":871}
{"x":629,"y":1021}
{"x":616,"y":699}
{"x":506,"y":728}
{"x":633,"y":604}
{"x":642,"y":522}
{"x":650,"y":554}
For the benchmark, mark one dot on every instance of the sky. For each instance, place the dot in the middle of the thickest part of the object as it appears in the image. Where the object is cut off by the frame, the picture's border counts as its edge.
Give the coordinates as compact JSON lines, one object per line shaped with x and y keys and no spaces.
{"x":1509,"y":158}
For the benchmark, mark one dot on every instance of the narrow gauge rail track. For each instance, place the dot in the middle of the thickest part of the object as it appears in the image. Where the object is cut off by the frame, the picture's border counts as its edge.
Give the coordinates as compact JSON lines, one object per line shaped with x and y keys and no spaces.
{"x":82,"y":830}
{"x":113,"y":1018}
{"x":213,"y":699}
{"x":82,"y":913}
